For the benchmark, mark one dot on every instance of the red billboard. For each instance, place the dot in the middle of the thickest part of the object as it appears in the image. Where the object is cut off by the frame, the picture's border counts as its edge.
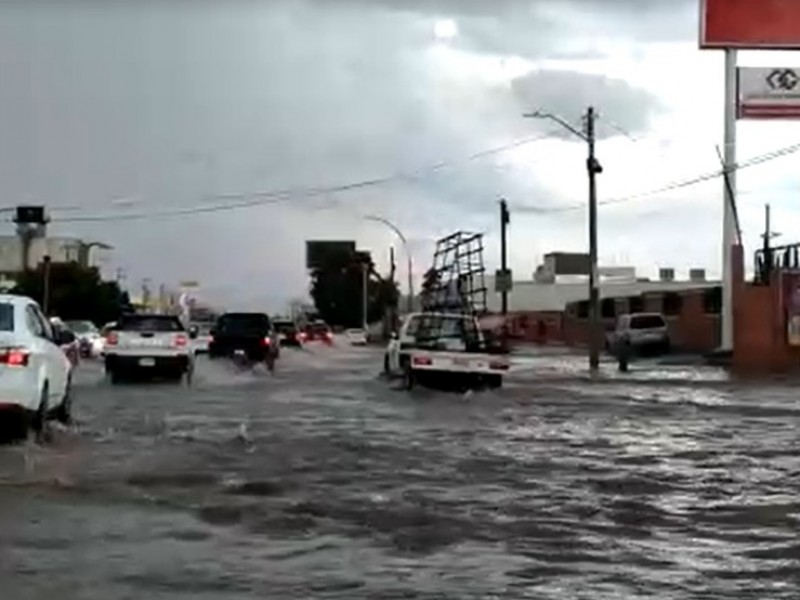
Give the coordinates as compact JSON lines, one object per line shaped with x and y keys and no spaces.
{"x":750,"y":24}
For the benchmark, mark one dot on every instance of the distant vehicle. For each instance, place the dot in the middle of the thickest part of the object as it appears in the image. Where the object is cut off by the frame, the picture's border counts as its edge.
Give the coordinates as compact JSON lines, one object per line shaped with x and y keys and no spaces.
{"x":156,"y":345}
{"x":318,"y":331}
{"x":68,"y":341}
{"x":288,"y":333}
{"x":91,"y":342}
{"x":441,"y":346}
{"x":203,"y":339}
{"x":35,"y":374}
{"x":356,"y":337}
{"x":250,"y":335}
{"x":639,"y":333}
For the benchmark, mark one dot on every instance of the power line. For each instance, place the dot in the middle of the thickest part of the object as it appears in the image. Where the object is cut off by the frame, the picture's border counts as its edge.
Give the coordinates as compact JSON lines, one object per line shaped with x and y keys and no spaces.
{"x":760,"y":159}
{"x":278,"y":196}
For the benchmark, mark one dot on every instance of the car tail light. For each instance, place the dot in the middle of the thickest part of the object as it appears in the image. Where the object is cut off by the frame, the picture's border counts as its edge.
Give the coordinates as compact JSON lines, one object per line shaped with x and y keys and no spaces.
{"x":181,"y":340}
{"x":112,"y":339}
{"x":498,"y":366}
{"x":15,"y":357}
{"x":423,"y":360}
{"x":266,"y":341}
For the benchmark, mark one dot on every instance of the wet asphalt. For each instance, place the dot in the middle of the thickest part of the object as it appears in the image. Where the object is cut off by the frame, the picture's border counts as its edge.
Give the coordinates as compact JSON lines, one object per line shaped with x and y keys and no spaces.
{"x":323,"y":482}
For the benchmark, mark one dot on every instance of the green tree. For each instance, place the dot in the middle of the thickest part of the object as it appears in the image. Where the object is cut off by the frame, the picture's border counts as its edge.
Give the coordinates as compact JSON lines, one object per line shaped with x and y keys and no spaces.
{"x":75,"y":293}
{"x":337,"y":291}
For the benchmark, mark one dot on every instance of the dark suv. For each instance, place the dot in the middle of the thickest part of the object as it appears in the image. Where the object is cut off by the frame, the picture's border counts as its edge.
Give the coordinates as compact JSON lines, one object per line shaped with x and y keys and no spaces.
{"x":251,"y":333}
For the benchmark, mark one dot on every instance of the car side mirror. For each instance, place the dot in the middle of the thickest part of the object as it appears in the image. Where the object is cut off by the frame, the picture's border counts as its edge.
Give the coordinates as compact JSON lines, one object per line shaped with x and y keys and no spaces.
{"x":394,"y":335}
{"x":193,"y":332}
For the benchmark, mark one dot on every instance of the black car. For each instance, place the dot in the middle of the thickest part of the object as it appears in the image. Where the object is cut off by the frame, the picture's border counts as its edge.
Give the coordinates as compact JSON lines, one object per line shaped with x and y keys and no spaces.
{"x":288,"y":333}
{"x":250,"y":333}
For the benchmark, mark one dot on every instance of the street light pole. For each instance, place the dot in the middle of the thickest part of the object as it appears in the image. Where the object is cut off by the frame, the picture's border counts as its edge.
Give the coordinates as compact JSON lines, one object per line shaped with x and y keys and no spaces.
{"x":593,"y":168}
{"x":410,"y":267}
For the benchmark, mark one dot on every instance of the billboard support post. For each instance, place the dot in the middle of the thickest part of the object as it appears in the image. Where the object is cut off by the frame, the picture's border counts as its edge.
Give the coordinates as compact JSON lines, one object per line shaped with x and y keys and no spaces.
{"x":729,"y":197}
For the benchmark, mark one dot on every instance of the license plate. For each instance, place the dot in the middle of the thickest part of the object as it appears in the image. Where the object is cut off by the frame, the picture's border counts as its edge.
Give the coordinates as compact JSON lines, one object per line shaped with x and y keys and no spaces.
{"x":147,"y":362}
{"x":461,"y":362}
{"x":238,"y":352}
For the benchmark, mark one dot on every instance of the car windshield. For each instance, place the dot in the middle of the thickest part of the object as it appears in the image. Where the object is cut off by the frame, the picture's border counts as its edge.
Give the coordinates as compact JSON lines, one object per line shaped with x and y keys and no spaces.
{"x":238,"y":323}
{"x":81,"y":326}
{"x":647,"y":322}
{"x":155,"y":323}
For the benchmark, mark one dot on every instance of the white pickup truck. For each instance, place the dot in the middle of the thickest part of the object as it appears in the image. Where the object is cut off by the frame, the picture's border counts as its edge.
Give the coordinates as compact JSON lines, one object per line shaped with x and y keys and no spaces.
{"x":443,"y":346}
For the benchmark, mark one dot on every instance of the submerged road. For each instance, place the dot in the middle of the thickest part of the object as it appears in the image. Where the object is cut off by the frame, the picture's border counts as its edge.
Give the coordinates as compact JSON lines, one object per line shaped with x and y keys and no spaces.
{"x":322,"y":482}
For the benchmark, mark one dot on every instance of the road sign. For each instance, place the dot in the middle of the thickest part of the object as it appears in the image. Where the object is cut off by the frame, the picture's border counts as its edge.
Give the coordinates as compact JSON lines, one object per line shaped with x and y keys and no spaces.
{"x":768,"y":93}
{"x":503,"y":281}
{"x":750,"y":24}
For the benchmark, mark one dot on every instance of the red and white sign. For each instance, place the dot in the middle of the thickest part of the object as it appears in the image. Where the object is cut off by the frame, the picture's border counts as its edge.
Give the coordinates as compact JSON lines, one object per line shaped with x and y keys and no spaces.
{"x":750,"y":24}
{"x":768,"y":93}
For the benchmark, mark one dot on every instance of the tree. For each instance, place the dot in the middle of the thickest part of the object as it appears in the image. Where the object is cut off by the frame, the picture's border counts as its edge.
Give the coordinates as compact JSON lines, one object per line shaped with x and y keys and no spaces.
{"x":76,"y":293}
{"x":337,"y":288}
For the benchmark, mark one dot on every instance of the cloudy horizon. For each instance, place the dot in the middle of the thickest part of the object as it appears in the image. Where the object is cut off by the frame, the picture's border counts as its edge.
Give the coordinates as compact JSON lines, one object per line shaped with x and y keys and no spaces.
{"x":209,"y":141}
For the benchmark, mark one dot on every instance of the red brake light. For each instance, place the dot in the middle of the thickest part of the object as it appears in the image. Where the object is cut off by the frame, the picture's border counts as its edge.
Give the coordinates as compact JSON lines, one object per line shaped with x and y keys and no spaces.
{"x":181,"y":340}
{"x":266,"y":341}
{"x":423,"y":360}
{"x":112,"y":339}
{"x":498,"y":366}
{"x":14,"y":358}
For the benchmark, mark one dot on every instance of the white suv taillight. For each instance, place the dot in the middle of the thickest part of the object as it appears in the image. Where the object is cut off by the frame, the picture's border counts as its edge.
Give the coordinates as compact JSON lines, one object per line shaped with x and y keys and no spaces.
{"x":14,"y":357}
{"x":181,"y":340}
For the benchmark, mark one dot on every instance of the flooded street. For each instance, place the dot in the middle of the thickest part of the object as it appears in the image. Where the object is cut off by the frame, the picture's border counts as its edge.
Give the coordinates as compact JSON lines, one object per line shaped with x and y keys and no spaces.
{"x":323,"y":482}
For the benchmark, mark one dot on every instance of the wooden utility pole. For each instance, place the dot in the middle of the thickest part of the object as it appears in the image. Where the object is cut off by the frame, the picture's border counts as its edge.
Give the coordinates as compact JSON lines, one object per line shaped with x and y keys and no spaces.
{"x":504,"y":221}
{"x":593,"y":167}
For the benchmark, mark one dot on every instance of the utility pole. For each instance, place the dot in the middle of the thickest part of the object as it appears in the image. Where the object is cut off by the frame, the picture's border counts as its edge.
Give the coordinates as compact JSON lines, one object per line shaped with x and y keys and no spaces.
{"x":504,"y":221}
{"x":46,"y":284}
{"x":593,"y":167}
{"x":767,"y":246}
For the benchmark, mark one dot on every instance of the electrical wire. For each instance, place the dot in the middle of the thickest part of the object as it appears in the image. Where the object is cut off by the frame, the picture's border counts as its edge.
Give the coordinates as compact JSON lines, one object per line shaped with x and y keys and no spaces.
{"x":676,"y":185}
{"x":277,"y":196}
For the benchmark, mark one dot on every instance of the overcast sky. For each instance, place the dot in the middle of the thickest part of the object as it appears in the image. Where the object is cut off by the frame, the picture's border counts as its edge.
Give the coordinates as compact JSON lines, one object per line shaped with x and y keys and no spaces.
{"x":116,"y":109}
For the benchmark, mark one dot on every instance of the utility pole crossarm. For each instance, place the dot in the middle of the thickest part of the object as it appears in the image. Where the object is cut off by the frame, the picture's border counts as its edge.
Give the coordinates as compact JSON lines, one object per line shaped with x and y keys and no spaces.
{"x":556,"y":119}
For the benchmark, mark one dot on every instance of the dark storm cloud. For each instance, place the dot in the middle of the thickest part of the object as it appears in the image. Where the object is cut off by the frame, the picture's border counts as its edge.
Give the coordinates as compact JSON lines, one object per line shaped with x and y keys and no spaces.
{"x":166,"y":104}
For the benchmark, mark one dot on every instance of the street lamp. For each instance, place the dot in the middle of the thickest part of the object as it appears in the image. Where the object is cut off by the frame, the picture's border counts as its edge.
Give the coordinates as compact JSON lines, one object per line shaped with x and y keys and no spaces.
{"x":85,"y":248}
{"x":410,"y":268}
{"x":593,"y":169}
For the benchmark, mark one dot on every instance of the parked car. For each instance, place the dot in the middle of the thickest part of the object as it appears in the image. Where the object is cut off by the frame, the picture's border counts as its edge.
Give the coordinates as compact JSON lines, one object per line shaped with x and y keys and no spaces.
{"x":35,"y":374}
{"x":154,"y":345}
{"x":356,"y":337}
{"x":91,"y":342}
{"x":639,"y":333}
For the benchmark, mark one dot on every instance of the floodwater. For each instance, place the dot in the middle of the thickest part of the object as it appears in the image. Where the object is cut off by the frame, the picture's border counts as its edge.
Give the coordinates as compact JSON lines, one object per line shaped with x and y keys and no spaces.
{"x":323,"y":482}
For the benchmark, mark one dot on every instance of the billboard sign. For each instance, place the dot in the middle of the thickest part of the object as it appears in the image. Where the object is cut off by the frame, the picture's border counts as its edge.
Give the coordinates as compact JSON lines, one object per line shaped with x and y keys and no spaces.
{"x":768,"y":93}
{"x":750,"y":24}
{"x":317,"y":250}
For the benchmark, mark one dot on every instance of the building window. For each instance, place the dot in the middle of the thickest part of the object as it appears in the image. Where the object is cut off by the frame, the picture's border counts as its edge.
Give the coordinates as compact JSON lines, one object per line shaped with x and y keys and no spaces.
{"x":635,"y":304}
{"x":608,"y":308}
{"x":673,"y":304}
{"x":583,"y":309}
{"x":712,"y":301}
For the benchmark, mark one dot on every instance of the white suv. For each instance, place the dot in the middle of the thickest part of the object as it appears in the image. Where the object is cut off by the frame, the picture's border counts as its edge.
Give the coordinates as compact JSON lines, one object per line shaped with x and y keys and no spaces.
{"x":150,"y":344}
{"x":640,"y":332}
{"x":35,"y":373}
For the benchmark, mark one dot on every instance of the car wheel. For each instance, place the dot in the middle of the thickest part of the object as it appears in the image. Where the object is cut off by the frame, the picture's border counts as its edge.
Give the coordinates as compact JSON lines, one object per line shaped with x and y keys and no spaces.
{"x":114,"y":376}
{"x":409,"y":379}
{"x":39,"y":421}
{"x":387,"y":370}
{"x":64,"y":411}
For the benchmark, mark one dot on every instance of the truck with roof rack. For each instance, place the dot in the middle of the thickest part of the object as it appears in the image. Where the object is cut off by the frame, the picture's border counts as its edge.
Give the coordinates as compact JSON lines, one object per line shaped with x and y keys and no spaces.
{"x":444,"y":343}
